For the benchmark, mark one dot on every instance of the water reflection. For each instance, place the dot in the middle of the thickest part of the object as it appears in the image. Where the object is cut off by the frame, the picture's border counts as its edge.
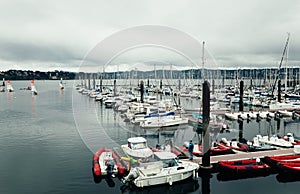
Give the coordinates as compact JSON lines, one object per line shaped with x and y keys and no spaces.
{"x":233,"y":177}
{"x":205,"y":182}
{"x":287,"y":177}
{"x":32,"y":104}
{"x":183,"y":187}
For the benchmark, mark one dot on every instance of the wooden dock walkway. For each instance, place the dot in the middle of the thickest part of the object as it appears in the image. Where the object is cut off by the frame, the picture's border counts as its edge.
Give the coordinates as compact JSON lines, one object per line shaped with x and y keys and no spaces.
{"x":246,"y":155}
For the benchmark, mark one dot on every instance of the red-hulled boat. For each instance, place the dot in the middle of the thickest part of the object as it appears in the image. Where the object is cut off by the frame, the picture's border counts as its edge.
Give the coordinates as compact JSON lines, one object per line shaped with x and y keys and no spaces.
{"x":244,"y":166}
{"x":106,"y":162}
{"x":273,"y":160}
{"x":290,"y":167}
{"x":214,"y":151}
{"x":290,"y":138}
{"x":235,"y":145}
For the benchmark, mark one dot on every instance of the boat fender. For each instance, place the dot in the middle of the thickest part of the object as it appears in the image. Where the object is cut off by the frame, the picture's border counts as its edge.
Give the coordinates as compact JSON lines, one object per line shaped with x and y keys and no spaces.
{"x":169,"y":179}
{"x":196,"y":174}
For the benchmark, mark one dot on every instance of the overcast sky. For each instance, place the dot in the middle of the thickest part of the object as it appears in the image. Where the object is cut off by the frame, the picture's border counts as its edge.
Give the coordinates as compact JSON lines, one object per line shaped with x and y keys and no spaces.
{"x":53,"y":34}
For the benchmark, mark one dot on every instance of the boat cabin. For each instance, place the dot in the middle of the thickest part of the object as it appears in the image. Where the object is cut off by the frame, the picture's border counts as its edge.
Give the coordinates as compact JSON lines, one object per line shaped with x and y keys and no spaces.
{"x":135,"y":143}
{"x":169,"y":159}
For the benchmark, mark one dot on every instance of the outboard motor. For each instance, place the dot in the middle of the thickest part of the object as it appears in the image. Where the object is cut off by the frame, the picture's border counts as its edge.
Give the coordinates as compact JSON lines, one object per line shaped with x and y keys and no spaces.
{"x":110,"y":168}
{"x":294,"y":115}
{"x":133,"y":174}
{"x":268,"y":117}
{"x":158,"y":146}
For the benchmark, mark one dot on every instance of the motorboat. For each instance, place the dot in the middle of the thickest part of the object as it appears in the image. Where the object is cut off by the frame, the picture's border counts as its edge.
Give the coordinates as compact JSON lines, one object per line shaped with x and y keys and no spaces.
{"x":290,"y":138}
{"x":214,"y":150}
{"x":109,"y":103}
{"x":274,"y":141}
{"x":257,"y":145}
{"x":164,"y":121}
{"x":236,"y":115}
{"x":166,"y":170}
{"x":285,"y":113}
{"x":289,"y":167}
{"x":244,"y":166}
{"x":234,"y":144}
{"x":283,"y":106}
{"x":107,"y":163}
{"x":137,"y":148}
{"x":273,"y":160}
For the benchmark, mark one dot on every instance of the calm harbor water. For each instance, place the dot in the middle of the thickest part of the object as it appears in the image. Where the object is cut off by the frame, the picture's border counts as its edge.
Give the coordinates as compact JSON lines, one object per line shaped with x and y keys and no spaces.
{"x":47,"y":143}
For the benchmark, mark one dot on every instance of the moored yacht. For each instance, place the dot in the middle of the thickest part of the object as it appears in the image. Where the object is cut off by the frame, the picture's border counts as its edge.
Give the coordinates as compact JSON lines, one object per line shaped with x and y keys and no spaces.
{"x":166,"y":170}
{"x":137,"y":148}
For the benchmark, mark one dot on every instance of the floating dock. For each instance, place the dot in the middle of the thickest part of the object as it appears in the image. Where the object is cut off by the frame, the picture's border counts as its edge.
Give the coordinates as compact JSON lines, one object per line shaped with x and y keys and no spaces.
{"x":245,"y":155}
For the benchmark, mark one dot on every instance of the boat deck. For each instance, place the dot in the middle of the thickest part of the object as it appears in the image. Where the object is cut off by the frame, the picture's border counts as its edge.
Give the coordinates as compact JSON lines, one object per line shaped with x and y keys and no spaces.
{"x":245,"y":155}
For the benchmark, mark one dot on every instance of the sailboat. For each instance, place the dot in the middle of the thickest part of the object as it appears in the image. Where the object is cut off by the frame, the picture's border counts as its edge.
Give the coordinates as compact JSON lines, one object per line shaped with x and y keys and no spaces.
{"x":3,"y":84}
{"x":33,"y":88}
{"x":9,"y":87}
{"x":61,"y":86}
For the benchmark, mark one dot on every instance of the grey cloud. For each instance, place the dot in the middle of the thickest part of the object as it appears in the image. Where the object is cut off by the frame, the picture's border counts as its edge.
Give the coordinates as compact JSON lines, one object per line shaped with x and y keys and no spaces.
{"x":236,"y":32}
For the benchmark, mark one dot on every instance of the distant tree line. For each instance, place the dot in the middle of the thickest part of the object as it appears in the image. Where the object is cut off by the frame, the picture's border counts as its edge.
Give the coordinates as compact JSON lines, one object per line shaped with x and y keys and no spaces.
{"x":37,"y":75}
{"x":293,"y":73}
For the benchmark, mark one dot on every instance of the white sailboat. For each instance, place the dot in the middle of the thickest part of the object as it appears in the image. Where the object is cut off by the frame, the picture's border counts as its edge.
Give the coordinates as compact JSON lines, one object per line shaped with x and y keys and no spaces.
{"x":33,"y":88}
{"x":61,"y":86}
{"x":9,"y":87}
{"x":2,"y":89}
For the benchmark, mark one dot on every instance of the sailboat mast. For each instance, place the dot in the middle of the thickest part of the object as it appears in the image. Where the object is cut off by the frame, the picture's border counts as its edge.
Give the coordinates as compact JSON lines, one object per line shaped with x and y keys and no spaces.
{"x":282,"y":57}
{"x":286,"y":64}
{"x":203,"y":43}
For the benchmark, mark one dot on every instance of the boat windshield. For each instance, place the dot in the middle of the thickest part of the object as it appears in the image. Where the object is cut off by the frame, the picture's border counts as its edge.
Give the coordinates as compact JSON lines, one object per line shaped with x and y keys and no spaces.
{"x":170,"y":163}
{"x":139,"y":145}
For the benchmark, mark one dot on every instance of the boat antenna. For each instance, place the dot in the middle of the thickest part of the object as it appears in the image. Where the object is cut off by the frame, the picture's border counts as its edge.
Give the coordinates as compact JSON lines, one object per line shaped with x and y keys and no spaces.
{"x":280,"y":64}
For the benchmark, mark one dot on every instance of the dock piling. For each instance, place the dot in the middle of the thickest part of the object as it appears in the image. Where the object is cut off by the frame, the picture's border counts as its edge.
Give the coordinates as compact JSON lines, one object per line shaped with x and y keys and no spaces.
{"x":142,"y":91}
{"x":279,"y":91}
{"x":205,"y":133}
{"x":115,"y":89}
{"x":241,"y":103}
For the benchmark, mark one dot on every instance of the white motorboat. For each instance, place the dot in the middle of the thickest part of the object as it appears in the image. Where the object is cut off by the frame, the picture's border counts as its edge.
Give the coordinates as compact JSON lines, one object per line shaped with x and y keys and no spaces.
{"x":283,"y":105}
{"x":263,"y":114}
{"x":166,"y":170}
{"x":150,"y":99}
{"x":108,"y":103}
{"x":142,"y":118}
{"x":275,"y":141}
{"x":98,"y":97}
{"x":232,"y":116}
{"x":237,"y":115}
{"x":165,"y":121}
{"x":137,"y":148}
{"x":286,"y":113}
